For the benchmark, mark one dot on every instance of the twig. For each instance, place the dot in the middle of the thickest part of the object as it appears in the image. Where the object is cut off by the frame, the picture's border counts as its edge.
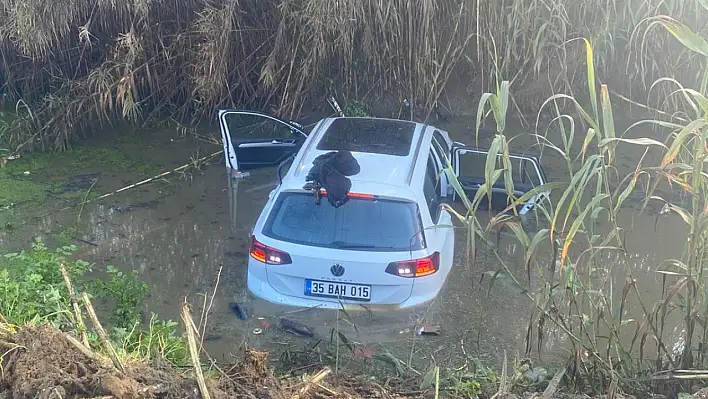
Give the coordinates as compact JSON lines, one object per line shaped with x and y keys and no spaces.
{"x":553,"y":385}
{"x":81,"y":348}
{"x":140,"y":183}
{"x":329,"y":391}
{"x":75,"y":304}
{"x":88,"y":192}
{"x":193,"y":351}
{"x":102,"y":333}
{"x":503,"y":387}
{"x":211,"y":302}
{"x":201,"y":318}
{"x":315,"y":380}
{"x":437,"y":382}
{"x":93,"y":244}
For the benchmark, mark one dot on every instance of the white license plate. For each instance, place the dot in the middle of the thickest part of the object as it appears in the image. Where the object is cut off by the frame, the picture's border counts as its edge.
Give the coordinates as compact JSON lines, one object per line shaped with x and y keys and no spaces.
{"x":329,"y":289}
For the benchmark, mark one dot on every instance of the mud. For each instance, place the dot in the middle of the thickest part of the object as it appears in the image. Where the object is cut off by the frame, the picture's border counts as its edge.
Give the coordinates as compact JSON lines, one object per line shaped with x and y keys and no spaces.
{"x":41,"y":363}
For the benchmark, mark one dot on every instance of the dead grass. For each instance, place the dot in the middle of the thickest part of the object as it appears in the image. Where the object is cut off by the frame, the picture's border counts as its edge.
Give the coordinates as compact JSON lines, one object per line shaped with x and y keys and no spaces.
{"x":79,"y":63}
{"x":43,"y":362}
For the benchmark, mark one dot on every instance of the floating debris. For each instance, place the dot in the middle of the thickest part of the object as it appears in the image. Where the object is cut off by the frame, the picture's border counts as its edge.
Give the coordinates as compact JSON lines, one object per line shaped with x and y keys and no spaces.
{"x":429,"y":330}
{"x":296,"y":328}
{"x":238,"y":310}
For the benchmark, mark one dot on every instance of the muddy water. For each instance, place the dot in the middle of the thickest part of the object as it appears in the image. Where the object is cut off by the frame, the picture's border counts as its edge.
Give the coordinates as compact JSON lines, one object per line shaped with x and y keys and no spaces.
{"x":182,"y":239}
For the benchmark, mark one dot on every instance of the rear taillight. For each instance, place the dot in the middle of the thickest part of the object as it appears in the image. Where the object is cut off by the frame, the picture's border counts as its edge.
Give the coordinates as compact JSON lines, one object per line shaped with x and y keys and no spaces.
{"x":266,"y":254}
{"x":415,"y":268}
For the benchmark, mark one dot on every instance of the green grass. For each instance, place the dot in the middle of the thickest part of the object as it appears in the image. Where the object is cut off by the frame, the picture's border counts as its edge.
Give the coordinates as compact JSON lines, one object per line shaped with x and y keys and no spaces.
{"x":16,"y":190}
{"x":78,"y":160}
{"x":48,"y":170}
{"x":33,"y":292}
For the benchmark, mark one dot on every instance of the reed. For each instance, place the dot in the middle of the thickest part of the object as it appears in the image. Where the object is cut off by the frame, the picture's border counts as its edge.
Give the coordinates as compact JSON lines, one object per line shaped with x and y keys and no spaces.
{"x":79,"y":65}
{"x":567,"y":277}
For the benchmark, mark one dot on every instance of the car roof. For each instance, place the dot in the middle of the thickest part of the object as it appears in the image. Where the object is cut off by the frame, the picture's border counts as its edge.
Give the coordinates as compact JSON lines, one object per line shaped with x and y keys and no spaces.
{"x":387,"y":166}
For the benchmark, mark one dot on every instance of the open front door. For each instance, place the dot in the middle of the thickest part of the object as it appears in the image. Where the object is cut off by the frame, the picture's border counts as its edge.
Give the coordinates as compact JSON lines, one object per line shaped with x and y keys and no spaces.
{"x":257,"y":140}
{"x":469,"y":165}
{"x":254,"y":140}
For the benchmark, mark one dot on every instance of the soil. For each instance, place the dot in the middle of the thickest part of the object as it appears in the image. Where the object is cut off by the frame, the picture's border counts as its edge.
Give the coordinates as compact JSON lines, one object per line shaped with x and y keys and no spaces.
{"x":43,"y":363}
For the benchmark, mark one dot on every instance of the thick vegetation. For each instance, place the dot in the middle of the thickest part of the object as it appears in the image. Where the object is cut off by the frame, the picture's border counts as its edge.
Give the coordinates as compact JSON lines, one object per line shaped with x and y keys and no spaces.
{"x":34,"y":292}
{"x":68,"y":65}
{"x":576,"y":246}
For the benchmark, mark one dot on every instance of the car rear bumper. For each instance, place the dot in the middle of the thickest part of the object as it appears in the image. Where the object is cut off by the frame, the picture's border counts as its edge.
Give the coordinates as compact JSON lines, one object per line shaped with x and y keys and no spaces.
{"x":424,"y":290}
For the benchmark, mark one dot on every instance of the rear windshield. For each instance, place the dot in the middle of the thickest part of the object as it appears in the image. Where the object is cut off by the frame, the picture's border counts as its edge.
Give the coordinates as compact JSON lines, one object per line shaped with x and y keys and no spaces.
{"x":358,"y":225}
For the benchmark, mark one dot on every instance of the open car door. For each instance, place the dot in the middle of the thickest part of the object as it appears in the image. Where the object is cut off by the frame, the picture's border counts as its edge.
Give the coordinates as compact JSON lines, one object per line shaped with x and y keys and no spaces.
{"x":257,"y":140}
{"x":469,"y":165}
{"x":254,"y":140}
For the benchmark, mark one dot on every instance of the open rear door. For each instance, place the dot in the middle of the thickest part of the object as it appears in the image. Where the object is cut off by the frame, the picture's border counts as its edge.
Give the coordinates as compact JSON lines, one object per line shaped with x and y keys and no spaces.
{"x":469,"y":164}
{"x":257,"y":140}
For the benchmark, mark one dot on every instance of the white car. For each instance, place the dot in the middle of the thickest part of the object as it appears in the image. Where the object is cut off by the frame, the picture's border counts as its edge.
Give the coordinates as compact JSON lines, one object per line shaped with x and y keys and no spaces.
{"x":382,"y":246}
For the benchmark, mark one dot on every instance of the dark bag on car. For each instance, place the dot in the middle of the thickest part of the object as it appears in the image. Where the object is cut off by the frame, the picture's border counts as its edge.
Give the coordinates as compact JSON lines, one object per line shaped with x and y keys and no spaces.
{"x":330,"y":171}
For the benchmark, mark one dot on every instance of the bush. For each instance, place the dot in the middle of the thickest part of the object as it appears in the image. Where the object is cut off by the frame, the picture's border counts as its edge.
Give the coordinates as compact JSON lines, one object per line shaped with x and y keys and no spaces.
{"x":33,"y":291}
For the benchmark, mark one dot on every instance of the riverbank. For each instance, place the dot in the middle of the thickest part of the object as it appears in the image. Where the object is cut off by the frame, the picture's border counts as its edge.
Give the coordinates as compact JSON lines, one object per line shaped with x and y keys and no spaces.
{"x":42,"y":362}
{"x":54,"y":345}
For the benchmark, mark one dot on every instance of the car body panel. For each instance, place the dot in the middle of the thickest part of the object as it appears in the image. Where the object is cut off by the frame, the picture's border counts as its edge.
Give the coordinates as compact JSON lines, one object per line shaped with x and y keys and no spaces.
{"x":400,"y":176}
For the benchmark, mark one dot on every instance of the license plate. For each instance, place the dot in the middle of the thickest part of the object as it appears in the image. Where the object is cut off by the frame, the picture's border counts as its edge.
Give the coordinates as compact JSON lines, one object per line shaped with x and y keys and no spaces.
{"x":328,"y":289}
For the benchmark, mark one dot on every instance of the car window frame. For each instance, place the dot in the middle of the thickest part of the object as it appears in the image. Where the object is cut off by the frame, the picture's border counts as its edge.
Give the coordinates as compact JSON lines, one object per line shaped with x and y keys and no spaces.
{"x":435,"y":200}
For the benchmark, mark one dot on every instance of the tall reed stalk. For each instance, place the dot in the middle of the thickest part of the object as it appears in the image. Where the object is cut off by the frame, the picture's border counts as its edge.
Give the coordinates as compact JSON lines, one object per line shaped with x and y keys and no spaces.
{"x":570,"y":287}
{"x":84,"y":64}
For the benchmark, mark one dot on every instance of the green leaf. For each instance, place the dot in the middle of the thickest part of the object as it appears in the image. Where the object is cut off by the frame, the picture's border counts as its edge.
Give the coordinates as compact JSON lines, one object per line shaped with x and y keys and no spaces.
{"x":452,"y":179}
{"x":680,"y":140}
{"x":535,"y":242}
{"x":703,"y":3}
{"x":627,"y":191}
{"x":591,"y":77}
{"x":429,"y":379}
{"x":683,"y":33}
{"x":578,"y":223}
{"x":644,"y":141}
{"x":608,"y":121}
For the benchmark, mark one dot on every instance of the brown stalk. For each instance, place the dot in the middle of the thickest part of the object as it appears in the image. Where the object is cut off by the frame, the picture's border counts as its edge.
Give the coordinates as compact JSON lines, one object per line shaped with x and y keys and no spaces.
{"x":191,"y":331}
{"x":75,"y":304}
{"x":82,"y":348}
{"x":102,"y":333}
{"x":315,"y":380}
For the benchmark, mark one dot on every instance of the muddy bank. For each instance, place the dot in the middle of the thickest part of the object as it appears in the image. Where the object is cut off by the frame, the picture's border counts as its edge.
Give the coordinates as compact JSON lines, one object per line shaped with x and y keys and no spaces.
{"x":41,"y":362}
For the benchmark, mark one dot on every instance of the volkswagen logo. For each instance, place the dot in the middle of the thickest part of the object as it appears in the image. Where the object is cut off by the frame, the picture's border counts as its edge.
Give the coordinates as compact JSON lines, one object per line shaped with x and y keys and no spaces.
{"x":337,"y":270}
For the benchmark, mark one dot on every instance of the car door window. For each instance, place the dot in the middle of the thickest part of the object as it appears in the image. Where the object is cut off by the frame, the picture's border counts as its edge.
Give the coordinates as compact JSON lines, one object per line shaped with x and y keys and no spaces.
{"x":469,"y":164}
{"x":245,"y":127}
{"x":431,"y":188}
{"x":255,"y":140}
{"x":441,"y":144}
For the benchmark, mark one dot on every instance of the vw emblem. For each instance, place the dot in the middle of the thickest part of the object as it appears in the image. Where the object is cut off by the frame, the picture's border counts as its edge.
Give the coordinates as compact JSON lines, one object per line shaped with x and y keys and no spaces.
{"x":337,"y":270}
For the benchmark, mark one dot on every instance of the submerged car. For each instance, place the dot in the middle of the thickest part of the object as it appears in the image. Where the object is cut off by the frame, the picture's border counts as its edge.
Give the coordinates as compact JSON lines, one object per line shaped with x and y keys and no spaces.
{"x":381,"y":246}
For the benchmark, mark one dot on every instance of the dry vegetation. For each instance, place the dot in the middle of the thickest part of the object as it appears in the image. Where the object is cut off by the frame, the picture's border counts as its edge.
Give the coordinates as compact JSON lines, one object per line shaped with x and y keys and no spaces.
{"x":76,"y":63}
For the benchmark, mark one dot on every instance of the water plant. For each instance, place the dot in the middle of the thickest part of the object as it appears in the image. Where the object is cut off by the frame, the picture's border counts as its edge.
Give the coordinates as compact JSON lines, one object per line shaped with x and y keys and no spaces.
{"x":567,"y":277}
